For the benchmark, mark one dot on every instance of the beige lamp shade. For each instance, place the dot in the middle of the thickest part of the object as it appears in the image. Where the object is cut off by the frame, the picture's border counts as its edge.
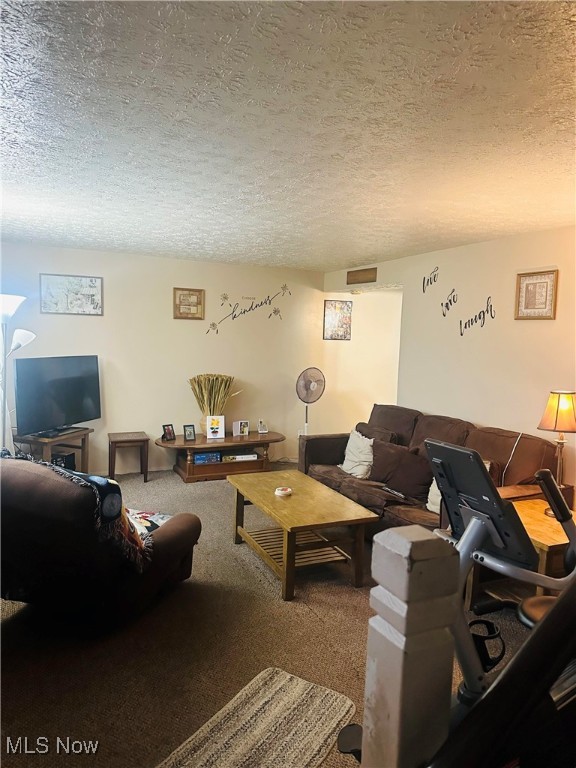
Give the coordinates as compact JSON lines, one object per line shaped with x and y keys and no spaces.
{"x":560,"y":412}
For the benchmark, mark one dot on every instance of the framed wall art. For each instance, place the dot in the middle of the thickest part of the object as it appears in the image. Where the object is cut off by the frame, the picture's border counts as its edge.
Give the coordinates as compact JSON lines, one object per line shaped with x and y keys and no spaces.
{"x":188,"y":304}
{"x":337,"y":320}
{"x":71,"y":295}
{"x":536,"y":295}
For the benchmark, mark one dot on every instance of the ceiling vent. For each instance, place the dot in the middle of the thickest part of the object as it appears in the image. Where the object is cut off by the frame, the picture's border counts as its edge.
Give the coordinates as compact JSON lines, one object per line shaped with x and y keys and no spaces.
{"x":357,"y":276}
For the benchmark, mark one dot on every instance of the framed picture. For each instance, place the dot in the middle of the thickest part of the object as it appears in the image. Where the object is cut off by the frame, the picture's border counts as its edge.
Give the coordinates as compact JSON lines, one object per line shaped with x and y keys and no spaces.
{"x":188,"y":304}
{"x":71,"y":295}
{"x":168,"y":432}
{"x":240,"y":428}
{"x":337,"y":320}
{"x":215,"y":427}
{"x":189,"y":432}
{"x":536,"y":295}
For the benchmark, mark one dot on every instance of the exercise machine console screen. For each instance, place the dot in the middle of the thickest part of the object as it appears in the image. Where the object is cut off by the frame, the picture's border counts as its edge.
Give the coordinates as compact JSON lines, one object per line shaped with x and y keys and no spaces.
{"x":469,"y":492}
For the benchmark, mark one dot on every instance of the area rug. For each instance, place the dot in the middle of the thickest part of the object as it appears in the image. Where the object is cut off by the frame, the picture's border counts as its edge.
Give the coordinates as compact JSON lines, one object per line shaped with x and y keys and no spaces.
{"x":277,"y":721}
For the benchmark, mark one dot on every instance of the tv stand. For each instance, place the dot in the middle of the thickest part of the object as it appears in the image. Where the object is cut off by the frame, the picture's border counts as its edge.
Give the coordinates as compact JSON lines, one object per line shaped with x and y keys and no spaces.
{"x":46,"y":444}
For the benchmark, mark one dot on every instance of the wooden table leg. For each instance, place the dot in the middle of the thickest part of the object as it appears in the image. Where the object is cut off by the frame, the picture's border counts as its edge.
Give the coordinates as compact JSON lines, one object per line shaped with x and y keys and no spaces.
{"x":144,"y":460}
{"x":84,"y":454}
{"x":288,"y":564}
{"x":357,"y":559}
{"x":238,"y":517}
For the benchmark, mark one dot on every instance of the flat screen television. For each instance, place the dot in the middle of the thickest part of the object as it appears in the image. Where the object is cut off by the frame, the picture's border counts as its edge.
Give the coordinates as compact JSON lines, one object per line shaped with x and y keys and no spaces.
{"x":55,"y":393}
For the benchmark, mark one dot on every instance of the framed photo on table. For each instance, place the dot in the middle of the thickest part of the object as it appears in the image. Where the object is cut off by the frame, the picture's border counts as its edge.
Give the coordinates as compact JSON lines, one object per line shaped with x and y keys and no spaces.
{"x":168,"y":432}
{"x":536,"y":295}
{"x":189,"y":432}
{"x":188,"y":304}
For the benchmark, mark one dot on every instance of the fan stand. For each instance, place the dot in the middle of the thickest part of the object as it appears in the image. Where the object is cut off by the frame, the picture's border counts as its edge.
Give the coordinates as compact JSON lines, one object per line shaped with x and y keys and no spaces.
{"x":306,"y":419}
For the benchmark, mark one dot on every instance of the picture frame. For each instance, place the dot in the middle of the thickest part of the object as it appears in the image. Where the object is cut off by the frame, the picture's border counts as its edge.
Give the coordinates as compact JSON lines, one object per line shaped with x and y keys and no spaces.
{"x":189,"y":432}
{"x":168,"y":433}
{"x":240,"y":428}
{"x":215,"y":427}
{"x":337,"y":320}
{"x":71,"y":294}
{"x":189,"y":303}
{"x":536,"y":294}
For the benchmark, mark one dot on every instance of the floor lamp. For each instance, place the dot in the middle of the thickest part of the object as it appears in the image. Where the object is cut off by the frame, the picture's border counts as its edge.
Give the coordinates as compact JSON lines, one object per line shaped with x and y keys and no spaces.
{"x":9,"y":303}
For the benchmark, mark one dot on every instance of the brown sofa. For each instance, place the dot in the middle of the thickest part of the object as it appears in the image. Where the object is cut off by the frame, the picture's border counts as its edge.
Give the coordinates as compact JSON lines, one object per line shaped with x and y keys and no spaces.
{"x":400,"y":461}
{"x":68,"y":544}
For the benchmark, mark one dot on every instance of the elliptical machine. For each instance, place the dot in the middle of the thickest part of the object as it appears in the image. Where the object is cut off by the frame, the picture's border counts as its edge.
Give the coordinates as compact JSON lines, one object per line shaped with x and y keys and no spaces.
{"x":485,"y":529}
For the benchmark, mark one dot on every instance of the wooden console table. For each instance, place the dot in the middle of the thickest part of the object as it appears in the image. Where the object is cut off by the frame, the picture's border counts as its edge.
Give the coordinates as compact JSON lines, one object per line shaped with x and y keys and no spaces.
{"x":191,"y":472}
{"x":60,"y":440}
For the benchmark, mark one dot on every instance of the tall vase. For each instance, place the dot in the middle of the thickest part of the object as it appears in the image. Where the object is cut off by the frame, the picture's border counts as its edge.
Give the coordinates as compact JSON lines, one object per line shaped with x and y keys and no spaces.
{"x":203,"y":423}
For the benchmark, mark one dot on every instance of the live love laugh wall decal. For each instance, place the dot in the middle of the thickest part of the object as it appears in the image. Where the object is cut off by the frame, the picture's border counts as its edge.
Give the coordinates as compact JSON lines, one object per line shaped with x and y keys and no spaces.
{"x":478,"y":318}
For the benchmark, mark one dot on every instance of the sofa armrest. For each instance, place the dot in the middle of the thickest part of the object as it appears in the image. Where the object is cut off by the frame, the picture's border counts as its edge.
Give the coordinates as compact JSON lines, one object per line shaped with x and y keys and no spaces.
{"x":321,"y":449}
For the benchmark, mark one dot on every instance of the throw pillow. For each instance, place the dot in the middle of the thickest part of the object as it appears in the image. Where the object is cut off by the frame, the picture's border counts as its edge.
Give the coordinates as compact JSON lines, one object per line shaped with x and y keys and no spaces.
{"x":401,"y":469}
{"x":358,"y":455}
{"x":376,"y":433}
{"x":434,"y":498}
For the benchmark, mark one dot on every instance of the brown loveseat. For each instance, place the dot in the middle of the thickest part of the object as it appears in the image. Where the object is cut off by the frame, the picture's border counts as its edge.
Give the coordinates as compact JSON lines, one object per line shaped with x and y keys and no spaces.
{"x":67,"y":543}
{"x":400,"y":461}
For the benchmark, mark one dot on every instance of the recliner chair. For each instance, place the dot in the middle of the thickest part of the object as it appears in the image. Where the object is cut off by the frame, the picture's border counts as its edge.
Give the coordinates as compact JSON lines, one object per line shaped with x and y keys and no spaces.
{"x":68,"y":544}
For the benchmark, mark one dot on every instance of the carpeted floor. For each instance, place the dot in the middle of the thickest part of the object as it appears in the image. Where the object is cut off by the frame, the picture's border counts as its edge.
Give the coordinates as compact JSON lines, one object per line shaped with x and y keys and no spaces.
{"x":146,"y":688}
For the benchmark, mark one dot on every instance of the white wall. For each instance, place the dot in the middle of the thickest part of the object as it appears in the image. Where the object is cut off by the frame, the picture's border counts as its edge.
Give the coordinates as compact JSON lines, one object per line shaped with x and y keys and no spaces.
{"x":147,"y":357}
{"x":499,"y":374}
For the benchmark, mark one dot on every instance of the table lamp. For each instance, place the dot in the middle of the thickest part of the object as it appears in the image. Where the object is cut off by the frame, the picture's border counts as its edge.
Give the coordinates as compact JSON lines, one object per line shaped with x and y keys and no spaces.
{"x":559,"y":416}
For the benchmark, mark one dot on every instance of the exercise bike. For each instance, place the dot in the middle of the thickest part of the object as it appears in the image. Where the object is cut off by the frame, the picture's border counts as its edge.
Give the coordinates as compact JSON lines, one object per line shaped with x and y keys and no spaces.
{"x":484,"y":529}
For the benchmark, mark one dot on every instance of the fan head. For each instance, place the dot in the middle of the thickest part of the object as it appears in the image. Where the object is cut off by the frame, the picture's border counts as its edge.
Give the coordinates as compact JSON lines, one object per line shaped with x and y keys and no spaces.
{"x":310,"y":385}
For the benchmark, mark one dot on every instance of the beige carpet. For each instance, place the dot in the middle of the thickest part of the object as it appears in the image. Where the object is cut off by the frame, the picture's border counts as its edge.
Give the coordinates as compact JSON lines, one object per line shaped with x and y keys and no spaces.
{"x":145,"y":689}
{"x":277,"y":721}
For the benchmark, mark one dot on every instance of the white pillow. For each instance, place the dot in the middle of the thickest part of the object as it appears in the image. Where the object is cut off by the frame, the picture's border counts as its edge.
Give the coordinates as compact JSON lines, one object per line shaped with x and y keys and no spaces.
{"x":358,"y":457}
{"x":434,"y":498}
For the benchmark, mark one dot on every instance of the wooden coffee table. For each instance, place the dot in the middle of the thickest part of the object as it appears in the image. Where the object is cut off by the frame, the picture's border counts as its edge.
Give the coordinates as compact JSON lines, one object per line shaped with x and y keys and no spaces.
{"x":297,"y":542}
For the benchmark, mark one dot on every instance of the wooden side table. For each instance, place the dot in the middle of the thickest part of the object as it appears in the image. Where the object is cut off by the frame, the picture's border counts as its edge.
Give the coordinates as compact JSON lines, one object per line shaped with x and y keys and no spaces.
{"x":46,"y":444}
{"x":128,"y":440}
{"x":550,"y":542}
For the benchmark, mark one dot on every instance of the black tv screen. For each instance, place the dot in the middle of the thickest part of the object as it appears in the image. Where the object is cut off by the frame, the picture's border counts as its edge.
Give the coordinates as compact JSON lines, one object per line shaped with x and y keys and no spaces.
{"x":53,"y":393}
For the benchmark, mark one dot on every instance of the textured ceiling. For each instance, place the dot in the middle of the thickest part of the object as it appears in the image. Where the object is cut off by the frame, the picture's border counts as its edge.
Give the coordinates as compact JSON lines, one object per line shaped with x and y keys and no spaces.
{"x":321,"y":135}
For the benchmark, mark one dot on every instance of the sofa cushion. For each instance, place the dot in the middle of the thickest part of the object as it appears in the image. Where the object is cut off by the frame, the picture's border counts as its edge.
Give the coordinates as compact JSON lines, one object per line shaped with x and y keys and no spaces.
{"x":399,"y":514}
{"x":376,"y":433}
{"x":401,"y":469}
{"x":358,"y":455}
{"x":519,"y":455}
{"x":396,"y":418}
{"x":369,"y":495}
{"x":328,"y":474}
{"x":443,"y":428}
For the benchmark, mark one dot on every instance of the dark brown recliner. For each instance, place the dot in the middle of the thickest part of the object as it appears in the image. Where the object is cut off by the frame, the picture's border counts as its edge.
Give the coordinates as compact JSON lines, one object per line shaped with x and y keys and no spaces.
{"x":68,"y":547}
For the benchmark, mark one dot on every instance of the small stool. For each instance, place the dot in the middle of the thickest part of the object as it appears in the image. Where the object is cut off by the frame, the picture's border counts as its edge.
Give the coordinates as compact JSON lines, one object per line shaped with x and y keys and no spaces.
{"x":128,"y":440}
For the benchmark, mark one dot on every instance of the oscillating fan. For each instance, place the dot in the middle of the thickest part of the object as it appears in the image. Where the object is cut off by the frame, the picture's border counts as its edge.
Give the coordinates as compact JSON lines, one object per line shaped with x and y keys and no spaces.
{"x":309,"y":388}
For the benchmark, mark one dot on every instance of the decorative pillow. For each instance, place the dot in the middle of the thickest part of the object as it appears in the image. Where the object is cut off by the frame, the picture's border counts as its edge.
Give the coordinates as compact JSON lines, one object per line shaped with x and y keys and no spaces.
{"x":376,"y":433}
{"x":358,"y":455}
{"x":434,"y":498}
{"x":401,"y":469}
